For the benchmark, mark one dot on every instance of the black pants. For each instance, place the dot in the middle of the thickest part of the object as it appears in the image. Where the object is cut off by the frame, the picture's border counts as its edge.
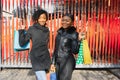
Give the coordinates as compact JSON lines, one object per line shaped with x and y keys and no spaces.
{"x":65,"y":67}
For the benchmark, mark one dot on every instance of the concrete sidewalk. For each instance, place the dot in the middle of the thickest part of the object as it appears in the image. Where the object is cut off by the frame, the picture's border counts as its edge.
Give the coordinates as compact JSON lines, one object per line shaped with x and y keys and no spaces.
{"x":96,"y":74}
{"x":27,"y":74}
{"x":115,"y":72}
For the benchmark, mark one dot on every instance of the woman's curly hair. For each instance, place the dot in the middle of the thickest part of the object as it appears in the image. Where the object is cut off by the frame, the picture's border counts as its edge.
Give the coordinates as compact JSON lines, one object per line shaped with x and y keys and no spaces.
{"x":69,"y":15}
{"x":37,"y":13}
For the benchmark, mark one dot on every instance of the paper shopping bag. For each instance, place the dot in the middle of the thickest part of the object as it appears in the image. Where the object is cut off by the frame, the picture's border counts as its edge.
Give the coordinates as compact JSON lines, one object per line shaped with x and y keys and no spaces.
{"x":17,"y":46}
{"x":80,"y":54}
{"x":53,"y":76}
{"x":86,"y":53}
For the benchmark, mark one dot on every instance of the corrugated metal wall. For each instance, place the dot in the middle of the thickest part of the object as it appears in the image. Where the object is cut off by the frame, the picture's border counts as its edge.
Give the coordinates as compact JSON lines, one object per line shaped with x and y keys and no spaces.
{"x":0,"y":30}
{"x":99,"y":19}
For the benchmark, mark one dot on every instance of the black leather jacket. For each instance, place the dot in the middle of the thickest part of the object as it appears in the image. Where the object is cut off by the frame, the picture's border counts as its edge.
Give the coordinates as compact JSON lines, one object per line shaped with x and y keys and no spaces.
{"x":66,"y":43}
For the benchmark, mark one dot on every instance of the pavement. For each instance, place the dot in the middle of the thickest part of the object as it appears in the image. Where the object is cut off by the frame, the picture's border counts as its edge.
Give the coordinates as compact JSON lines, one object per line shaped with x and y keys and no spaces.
{"x":78,"y":74}
{"x":115,"y":72}
{"x":96,"y":74}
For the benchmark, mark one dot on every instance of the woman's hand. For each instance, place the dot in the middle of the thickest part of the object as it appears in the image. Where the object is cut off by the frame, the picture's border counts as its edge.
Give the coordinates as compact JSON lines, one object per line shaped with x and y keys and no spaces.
{"x":81,"y":36}
{"x":52,"y":68}
{"x":22,"y":27}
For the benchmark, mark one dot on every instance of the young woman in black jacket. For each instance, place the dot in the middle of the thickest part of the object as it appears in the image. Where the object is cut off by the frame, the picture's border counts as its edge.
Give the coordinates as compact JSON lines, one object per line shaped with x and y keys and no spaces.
{"x":39,"y":34}
{"x":66,"y":45}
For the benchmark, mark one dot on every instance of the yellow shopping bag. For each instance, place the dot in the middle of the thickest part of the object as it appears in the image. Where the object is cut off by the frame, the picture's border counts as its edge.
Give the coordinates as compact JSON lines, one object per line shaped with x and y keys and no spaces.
{"x":86,"y":53}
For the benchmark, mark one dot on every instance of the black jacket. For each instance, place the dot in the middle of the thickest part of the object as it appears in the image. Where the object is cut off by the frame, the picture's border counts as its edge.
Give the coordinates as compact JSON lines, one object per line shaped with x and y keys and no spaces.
{"x":39,"y":53}
{"x":66,"y":43}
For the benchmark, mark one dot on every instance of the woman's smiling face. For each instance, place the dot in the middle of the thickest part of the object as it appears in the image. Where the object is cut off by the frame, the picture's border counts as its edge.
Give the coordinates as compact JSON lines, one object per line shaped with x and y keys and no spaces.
{"x":66,"y":22}
{"x":42,"y":19}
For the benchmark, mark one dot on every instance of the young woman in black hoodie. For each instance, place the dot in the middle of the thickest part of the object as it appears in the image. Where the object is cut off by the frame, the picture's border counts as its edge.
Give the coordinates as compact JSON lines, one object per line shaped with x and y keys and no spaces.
{"x":39,"y":34}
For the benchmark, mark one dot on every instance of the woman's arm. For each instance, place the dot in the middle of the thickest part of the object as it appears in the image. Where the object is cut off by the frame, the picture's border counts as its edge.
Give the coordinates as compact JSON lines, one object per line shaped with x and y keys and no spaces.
{"x":24,"y":36}
{"x":75,"y":44}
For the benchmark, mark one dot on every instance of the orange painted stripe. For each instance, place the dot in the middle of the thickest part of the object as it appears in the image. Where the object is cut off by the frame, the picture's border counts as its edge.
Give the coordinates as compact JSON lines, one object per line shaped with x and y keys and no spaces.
{"x":93,"y":42}
{"x":59,"y":17}
{"x":8,"y":5}
{"x":69,"y":6}
{"x":91,"y":37}
{"x":109,"y":49}
{"x":99,"y":33}
{"x":65,"y":6}
{"x":9,"y":40}
{"x":12,"y":42}
{"x":96,"y":44}
{"x":74,"y":13}
{"x":19,"y":23}
{"x":31,"y":1}
{"x":51,"y":34}
{"x":103,"y":24}
{"x":118,"y":33}
{"x":55,"y":26}
{"x":2,"y":1}
{"x":101,"y":40}
{"x":16,"y":3}
{"x":41,"y":3}
{"x":119,"y":39}
{"x":115,"y":30}
{"x":87,"y":25}
{"x":16,"y":29}
{"x":27,"y":4}
{"x":112,"y":34}
{"x":102,"y":36}
{"x":3,"y":40}
{"x":115,"y":43}
{"x":12,"y":34}
{"x":36,"y":3}
{"x":115,"y":35}
{"x":27,"y":52}
{"x":78,"y":25}
{"x":105,"y":52}
{"x":31,"y":22}
{"x":117,"y":15}
{"x":13,"y":3}
{"x":88,"y":28}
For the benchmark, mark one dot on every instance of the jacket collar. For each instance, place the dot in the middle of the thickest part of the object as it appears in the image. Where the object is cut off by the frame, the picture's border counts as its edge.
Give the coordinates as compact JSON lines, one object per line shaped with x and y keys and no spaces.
{"x":69,"y":30}
{"x":38,"y":26}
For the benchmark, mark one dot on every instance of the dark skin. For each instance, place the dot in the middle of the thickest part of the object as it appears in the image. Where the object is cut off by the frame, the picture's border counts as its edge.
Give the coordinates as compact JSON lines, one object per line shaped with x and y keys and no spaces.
{"x":41,"y":20}
{"x":66,"y":22}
